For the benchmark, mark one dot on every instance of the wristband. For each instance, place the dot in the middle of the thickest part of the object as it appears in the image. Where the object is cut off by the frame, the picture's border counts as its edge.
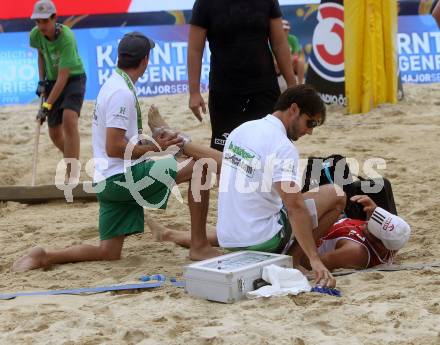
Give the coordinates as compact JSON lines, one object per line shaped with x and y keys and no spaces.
{"x":46,"y":105}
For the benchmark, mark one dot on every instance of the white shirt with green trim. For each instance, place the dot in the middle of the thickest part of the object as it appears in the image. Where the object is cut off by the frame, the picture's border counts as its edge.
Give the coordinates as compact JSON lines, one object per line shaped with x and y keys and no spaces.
{"x":115,"y":107}
{"x":256,"y":155}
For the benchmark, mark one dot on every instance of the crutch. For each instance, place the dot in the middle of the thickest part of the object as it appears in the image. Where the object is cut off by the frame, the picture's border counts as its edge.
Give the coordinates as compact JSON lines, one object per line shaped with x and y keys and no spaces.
{"x":36,"y":141}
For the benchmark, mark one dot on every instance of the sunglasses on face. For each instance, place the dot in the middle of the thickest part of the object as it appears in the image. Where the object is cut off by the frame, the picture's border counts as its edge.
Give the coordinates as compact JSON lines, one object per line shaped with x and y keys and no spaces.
{"x":312,"y":123}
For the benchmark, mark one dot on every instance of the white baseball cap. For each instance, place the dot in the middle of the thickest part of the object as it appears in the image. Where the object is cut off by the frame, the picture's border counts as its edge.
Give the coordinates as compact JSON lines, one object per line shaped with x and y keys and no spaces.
{"x":392,"y":230}
{"x":43,"y":9}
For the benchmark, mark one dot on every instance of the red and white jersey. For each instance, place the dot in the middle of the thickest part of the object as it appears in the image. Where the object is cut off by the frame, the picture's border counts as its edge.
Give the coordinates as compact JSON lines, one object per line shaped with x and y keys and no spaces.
{"x":349,"y":229}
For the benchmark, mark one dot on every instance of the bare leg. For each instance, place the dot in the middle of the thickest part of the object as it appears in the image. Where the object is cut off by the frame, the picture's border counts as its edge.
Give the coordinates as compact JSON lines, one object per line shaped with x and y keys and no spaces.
{"x":198,"y":202}
{"x":181,"y":238}
{"x":57,"y":137}
{"x":330,"y":202}
{"x":40,"y":258}
{"x":198,"y":151}
{"x":71,"y":140}
{"x":157,"y":230}
{"x":155,"y":120}
{"x":200,"y":248}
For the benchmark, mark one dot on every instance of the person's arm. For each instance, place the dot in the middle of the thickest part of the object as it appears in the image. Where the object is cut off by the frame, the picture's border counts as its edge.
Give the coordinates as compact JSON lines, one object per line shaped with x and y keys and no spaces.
{"x":368,"y":204}
{"x":301,"y":223}
{"x":280,"y":48}
{"x":41,"y":70}
{"x":196,"y":44}
{"x":116,"y":143}
{"x":277,"y":70}
{"x":41,"y":87}
{"x":62,"y":78}
{"x":348,"y":255}
{"x":436,"y":13}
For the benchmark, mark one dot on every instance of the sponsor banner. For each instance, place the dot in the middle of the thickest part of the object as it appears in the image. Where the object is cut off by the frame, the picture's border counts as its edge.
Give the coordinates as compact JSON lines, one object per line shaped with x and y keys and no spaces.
{"x":419,"y":49}
{"x":320,"y":32}
{"x":326,"y":67}
{"x":166,"y":72}
{"x":326,"y":61}
{"x":170,"y":5}
{"x":18,"y":69}
{"x":10,"y":9}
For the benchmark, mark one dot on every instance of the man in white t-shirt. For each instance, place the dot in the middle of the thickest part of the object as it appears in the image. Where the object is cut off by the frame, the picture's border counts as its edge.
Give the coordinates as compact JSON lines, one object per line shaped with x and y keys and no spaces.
{"x":127,"y":176}
{"x":260,"y":199}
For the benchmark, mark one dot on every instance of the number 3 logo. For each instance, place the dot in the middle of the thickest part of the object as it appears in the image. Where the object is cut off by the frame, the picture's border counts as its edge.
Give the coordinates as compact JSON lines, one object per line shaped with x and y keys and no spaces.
{"x":327,"y":58}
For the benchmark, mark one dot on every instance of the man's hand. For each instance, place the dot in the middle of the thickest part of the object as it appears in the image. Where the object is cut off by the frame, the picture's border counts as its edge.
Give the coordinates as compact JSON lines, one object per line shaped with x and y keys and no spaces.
{"x":368,"y":204}
{"x":323,"y":277}
{"x":195,"y":103}
{"x":43,"y":112}
{"x":167,"y":138}
{"x":41,"y":89}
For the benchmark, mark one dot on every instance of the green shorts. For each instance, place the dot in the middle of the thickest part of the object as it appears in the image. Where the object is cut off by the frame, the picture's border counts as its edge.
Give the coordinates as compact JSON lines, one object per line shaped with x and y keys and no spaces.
{"x":277,"y":243}
{"x":121,"y":206}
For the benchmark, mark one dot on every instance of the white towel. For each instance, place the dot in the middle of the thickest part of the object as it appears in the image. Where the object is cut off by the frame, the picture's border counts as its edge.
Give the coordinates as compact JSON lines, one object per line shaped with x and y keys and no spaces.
{"x":284,"y":281}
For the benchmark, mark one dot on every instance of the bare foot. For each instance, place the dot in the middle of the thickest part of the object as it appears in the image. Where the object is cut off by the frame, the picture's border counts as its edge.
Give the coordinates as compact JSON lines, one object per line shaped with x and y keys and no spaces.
{"x":157,"y":230}
{"x":32,"y":260}
{"x":203,"y":253}
{"x":158,"y":125}
{"x":155,"y":120}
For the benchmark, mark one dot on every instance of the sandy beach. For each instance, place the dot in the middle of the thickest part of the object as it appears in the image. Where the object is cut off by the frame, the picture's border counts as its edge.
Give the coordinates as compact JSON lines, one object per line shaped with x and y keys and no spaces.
{"x":401,"y":307}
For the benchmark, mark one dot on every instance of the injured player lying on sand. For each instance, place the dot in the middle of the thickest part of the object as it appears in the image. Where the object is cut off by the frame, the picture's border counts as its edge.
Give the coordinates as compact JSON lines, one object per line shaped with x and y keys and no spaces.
{"x":349,"y":243}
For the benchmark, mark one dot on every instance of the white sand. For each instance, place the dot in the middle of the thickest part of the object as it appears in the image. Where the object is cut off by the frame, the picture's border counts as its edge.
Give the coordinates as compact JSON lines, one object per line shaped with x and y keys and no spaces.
{"x":376,"y":307}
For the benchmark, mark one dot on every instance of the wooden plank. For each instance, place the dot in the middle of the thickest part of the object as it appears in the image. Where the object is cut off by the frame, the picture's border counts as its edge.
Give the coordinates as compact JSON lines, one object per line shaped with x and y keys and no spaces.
{"x":44,"y":193}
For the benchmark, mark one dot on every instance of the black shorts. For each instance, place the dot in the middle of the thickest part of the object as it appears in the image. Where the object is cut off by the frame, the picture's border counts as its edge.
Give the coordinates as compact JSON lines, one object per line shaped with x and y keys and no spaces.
{"x":228,"y":111}
{"x":71,"y":97}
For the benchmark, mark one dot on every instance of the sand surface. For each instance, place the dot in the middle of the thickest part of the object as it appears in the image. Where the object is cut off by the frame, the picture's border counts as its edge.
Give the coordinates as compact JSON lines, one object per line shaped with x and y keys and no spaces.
{"x":376,"y":308}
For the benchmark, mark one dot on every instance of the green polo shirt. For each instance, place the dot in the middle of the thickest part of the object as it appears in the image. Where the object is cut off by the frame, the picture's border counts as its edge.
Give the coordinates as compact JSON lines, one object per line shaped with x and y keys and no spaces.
{"x":60,"y":53}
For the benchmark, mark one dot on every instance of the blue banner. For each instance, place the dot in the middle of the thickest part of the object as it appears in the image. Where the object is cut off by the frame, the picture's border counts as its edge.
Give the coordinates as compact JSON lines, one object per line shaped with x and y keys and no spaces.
{"x":419,"y":49}
{"x":166,"y":73}
{"x":18,"y":69}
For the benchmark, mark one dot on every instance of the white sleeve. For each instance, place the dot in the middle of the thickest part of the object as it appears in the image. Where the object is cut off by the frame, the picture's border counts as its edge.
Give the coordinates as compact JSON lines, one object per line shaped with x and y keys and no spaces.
{"x":285,"y":167}
{"x":120,"y":108}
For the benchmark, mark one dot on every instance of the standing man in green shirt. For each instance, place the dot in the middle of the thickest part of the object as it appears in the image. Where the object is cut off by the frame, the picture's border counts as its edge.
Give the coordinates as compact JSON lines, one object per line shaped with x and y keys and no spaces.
{"x":61,"y":80}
